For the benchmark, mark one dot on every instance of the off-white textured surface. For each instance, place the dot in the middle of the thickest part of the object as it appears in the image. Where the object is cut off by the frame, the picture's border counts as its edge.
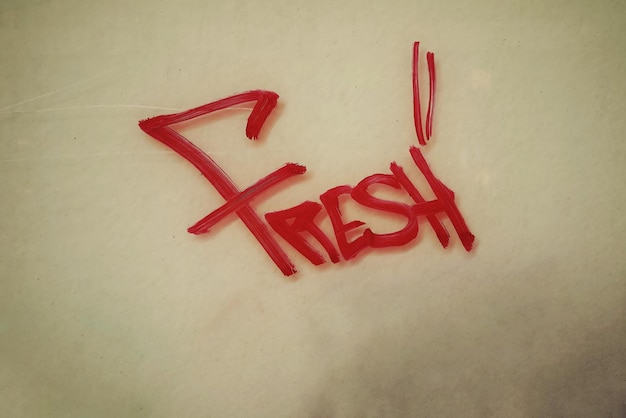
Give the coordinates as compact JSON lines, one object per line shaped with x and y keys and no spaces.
{"x":108,"y":308}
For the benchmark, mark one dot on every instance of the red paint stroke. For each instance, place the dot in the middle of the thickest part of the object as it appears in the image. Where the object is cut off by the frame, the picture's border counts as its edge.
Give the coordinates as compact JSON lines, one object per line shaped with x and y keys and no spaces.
{"x":330,"y":200}
{"x":417,"y":108}
{"x":265,"y":103}
{"x":361,"y":195}
{"x":440,"y":230}
{"x":430,"y":57}
{"x":240,"y":200}
{"x":302,"y":220}
{"x":445,"y":198}
{"x":158,"y":128}
{"x":442,"y":204}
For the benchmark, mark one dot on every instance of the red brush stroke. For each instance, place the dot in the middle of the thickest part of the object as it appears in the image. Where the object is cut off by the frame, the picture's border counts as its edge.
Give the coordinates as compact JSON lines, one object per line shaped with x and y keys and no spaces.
{"x":158,"y":128}
{"x":430,"y":57}
{"x":302,"y":220}
{"x":417,"y":108}
{"x":440,"y":230}
{"x":241,"y":199}
{"x":361,"y":194}
{"x":265,"y":104}
{"x":330,"y":200}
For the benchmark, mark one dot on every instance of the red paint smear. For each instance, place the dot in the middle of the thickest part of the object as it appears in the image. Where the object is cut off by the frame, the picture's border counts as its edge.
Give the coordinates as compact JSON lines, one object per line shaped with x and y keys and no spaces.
{"x":158,"y":128}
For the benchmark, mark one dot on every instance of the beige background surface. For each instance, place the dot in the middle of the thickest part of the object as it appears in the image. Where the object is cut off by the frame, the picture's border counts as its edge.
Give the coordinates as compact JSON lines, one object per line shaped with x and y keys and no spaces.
{"x":109,"y":308}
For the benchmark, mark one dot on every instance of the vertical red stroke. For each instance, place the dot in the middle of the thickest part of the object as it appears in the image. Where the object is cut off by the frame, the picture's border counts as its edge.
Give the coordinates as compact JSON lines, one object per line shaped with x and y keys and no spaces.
{"x":417,"y":108}
{"x":158,"y":128}
{"x":430,"y":57}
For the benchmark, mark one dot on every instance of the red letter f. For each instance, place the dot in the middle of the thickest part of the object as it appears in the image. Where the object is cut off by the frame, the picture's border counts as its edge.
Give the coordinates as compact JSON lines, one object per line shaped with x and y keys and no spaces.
{"x":236,"y":201}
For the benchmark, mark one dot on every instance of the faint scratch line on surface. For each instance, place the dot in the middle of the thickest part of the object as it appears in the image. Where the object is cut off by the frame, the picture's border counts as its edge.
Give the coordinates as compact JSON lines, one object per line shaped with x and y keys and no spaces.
{"x":54,"y":109}
{"x":91,"y":155}
{"x":57,"y":90}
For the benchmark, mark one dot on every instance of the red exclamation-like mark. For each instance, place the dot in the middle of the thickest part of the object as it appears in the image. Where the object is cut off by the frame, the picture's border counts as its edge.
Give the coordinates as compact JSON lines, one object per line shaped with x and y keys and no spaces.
{"x":417,"y":108}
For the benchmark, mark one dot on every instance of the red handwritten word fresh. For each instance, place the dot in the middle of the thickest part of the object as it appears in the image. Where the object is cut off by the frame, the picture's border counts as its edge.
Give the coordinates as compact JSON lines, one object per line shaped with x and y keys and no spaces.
{"x":292,"y":224}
